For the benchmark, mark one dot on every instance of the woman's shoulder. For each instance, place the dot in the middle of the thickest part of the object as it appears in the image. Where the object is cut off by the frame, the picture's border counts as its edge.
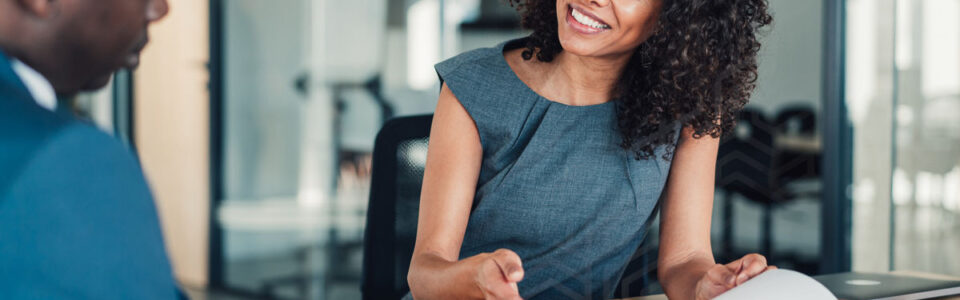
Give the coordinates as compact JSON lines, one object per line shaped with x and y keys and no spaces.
{"x":481,"y":77}
{"x":488,"y":90}
{"x":474,"y":60}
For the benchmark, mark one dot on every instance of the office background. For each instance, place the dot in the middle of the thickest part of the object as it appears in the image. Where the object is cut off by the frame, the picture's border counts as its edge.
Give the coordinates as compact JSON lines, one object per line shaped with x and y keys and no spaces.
{"x":255,"y":122}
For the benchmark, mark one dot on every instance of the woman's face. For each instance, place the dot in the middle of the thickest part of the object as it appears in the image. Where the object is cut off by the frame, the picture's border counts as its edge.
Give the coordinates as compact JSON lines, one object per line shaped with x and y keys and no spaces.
{"x":599,"y":28}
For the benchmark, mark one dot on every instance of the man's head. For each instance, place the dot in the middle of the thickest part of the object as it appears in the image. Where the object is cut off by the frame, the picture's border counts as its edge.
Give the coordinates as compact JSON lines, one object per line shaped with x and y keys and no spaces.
{"x":77,"y":44}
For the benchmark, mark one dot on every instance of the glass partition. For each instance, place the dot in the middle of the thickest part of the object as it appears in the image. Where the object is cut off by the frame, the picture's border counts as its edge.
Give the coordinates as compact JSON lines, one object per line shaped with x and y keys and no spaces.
{"x":904,"y":93}
{"x":306,"y":85}
{"x":926,"y":136}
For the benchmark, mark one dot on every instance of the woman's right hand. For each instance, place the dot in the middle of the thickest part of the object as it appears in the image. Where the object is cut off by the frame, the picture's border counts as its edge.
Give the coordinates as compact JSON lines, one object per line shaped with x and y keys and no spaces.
{"x":497,"y":274}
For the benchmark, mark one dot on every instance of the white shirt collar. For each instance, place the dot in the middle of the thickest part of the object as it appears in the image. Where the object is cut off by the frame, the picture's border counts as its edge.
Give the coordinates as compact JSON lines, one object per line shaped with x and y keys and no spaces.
{"x":39,"y":87}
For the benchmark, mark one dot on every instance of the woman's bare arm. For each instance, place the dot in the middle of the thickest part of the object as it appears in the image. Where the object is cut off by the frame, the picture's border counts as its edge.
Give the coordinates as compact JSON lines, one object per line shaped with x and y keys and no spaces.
{"x":685,"y":251}
{"x":449,"y":186}
{"x":686,"y":265}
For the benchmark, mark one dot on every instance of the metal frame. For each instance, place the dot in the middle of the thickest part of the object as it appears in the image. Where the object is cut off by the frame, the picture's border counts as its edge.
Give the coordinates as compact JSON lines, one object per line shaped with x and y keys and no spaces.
{"x":215,"y":249}
{"x":838,"y":145}
{"x":895,"y":98}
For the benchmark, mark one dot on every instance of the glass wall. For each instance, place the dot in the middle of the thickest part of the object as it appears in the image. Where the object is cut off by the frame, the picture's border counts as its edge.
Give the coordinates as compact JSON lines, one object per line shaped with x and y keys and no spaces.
{"x":908,"y":135}
{"x":306,"y":86}
{"x":926,"y":174}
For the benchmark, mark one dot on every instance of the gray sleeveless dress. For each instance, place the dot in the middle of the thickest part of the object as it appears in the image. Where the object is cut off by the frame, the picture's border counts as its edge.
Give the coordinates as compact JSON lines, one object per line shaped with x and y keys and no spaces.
{"x":554,"y":186}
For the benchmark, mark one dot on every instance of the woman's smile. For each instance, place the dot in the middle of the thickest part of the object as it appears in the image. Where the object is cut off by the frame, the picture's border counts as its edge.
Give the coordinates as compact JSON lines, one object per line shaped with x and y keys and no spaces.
{"x":584,"y":22}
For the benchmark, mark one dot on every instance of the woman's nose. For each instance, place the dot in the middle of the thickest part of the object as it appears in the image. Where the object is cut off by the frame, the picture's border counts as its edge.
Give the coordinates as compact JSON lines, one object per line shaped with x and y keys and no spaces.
{"x":600,"y":3}
{"x":157,"y":10}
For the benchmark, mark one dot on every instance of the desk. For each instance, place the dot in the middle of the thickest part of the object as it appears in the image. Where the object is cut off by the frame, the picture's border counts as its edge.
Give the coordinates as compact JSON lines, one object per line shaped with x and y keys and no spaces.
{"x":651,"y":297}
{"x":930,"y":276}
{"x":904,"y":273}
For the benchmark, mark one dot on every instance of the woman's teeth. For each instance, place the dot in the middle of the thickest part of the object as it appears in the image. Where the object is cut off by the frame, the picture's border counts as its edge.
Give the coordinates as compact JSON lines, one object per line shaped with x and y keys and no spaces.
{"x":585,"y":20}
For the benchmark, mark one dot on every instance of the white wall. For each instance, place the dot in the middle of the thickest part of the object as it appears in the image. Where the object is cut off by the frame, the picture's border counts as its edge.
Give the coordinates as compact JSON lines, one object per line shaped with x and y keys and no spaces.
{"x":791,"y":59}
{"x":172,"y":133}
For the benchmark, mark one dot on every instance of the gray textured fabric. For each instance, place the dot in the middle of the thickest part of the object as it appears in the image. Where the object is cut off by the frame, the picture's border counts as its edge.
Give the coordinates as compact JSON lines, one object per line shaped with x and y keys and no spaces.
{"x":554,"y":186}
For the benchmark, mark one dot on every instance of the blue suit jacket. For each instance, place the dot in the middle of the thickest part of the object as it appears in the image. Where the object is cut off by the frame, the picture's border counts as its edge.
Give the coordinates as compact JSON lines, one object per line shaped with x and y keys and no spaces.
{"x":77,"y":220}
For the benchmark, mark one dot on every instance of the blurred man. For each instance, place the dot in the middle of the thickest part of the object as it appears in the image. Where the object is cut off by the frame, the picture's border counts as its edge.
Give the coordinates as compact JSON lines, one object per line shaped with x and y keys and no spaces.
{"x":77,"y":220}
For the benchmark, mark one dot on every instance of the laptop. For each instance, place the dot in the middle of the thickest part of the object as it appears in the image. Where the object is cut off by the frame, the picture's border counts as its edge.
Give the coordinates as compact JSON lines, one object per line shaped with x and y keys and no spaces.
{"x":875,"y":286}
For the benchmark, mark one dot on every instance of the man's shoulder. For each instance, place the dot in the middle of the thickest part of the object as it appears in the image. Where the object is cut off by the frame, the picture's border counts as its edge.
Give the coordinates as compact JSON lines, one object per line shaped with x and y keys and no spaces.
{"x":32,"y":135}
{"x":78,"y":212}
{"x":24,"y":128}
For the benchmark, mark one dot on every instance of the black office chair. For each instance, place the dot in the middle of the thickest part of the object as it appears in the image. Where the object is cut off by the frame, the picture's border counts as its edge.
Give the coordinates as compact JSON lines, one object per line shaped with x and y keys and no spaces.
{"x":398,"y":165}
{"x":796,"y":119}
{"x":795,"y":168}
{"x":791,"y":165}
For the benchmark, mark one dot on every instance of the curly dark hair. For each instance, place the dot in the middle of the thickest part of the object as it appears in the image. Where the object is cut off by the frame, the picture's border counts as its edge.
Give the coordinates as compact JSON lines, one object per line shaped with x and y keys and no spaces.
{"x":698,"y":69}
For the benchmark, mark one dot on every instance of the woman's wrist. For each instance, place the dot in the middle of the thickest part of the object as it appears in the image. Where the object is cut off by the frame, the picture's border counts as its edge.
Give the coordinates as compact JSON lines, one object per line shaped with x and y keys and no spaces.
{"x":483,"y":276}
{"x":433,"y":277}
{"x":680,"y":281}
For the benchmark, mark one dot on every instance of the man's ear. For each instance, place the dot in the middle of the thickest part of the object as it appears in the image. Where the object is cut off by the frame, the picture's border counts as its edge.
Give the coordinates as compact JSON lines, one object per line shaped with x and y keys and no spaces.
{"x":38,"y":8}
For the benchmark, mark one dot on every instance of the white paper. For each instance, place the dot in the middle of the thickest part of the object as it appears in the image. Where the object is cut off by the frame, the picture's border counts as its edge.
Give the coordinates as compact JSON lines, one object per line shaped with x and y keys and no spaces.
{"x":779,"y":284}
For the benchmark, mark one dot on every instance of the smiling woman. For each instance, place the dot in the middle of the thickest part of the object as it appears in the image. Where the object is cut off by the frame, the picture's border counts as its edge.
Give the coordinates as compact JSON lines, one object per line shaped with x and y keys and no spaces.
{"x":543,"y":174}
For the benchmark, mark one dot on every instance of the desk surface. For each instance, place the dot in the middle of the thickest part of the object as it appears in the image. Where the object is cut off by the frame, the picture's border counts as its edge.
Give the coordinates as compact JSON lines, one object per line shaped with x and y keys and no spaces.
{"x":905,"y":273}
{"x":651,"y":297}
{"x":930,"y":276}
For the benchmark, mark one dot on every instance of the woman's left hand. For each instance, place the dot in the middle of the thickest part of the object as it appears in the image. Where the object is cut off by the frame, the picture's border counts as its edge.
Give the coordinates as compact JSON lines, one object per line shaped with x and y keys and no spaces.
{"x":721,"y":278}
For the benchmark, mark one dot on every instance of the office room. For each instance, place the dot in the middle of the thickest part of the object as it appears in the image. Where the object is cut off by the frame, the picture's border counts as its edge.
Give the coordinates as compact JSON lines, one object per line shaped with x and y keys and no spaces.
{"x":479,"y":149}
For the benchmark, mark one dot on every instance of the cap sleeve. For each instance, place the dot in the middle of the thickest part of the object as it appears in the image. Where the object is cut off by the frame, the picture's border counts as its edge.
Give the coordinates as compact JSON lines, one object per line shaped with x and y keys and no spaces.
{"x":478,"y":83}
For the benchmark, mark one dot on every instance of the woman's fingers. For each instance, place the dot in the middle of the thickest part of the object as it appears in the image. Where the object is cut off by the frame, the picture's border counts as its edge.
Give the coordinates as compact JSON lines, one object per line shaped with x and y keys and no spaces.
{"x":721,"y":276}
{"x":747,"y":267}
{"x":735,"y":266}
{"x":716,"y":281}
{"x":752,"y":265}
{"x":493,"y":285}
{"x":510,"y":265}
{"x":499,"y":275}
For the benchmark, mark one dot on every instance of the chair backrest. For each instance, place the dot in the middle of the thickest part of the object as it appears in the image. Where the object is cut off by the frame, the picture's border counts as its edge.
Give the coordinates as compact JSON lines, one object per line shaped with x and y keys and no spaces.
{"x":803,"y":117}
{"x":745,"y":162}
{"x":797,"y":120}
{"x":399,"y":158}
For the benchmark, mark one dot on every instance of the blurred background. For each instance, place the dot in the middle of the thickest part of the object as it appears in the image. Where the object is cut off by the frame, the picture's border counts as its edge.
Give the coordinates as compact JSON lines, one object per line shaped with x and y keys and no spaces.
{"x":255,"y":122}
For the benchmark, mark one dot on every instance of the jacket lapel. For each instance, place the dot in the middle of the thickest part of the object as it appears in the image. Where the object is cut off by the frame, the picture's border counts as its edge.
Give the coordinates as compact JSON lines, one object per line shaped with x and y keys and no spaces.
{"x":11,"y":87}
